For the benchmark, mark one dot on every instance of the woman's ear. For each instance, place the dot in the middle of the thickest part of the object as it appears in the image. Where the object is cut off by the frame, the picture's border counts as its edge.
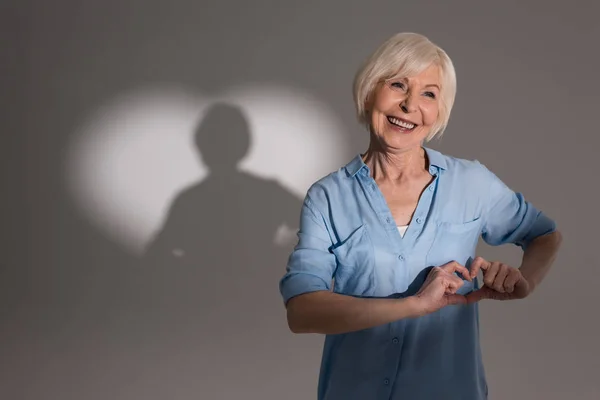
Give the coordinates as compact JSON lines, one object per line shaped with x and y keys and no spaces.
{"x":368,"y":104}
{"x":370,"y":99}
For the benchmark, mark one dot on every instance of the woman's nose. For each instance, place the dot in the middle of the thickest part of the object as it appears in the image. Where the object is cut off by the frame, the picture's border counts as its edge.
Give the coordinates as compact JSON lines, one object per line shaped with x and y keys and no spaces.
{"x":408,"y":104}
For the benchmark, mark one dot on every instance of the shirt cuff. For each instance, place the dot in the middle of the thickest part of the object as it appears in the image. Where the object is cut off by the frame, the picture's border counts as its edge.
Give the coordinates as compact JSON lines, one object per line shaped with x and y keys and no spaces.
{"x":542,"y":225}
{"x":299,"y":283}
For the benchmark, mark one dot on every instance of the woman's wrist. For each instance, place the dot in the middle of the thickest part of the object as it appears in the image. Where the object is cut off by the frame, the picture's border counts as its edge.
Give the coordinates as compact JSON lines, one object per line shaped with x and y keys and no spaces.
{"x":412,"y":307}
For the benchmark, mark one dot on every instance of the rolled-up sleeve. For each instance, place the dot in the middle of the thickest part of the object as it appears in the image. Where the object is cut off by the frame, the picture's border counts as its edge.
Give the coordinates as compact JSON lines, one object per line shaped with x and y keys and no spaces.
{"x":509,"y":218}
{"x":311,"y":265}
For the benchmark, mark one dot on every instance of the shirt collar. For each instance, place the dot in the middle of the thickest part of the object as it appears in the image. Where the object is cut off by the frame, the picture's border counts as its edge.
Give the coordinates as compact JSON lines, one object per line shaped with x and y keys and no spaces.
{"x":436,"y":159}
{"x":356,"y":165}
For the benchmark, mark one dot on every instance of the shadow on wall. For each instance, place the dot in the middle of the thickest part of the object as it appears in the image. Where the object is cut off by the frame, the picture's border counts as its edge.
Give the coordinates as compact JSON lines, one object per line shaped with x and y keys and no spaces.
{"x":216,"y":263}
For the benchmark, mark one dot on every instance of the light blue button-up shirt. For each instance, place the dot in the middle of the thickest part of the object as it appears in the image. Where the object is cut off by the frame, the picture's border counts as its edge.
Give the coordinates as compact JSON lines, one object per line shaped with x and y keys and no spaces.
{"x":348,"y":235}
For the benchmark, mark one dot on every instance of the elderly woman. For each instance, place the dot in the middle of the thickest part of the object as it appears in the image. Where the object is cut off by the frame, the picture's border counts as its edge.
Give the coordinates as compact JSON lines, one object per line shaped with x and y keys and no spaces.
{"x":385,"y":264}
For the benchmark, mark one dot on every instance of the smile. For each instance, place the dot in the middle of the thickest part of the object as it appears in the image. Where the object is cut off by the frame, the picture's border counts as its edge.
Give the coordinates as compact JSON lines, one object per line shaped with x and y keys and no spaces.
{"x":405,"y":125}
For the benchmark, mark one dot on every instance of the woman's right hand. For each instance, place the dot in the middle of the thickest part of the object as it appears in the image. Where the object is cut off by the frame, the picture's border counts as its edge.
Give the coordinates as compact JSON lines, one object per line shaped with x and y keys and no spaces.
{"x":439,"y":288}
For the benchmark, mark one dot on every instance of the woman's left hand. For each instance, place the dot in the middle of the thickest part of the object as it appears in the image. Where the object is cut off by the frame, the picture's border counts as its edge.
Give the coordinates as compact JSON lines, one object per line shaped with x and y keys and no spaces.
{"x":501,"y":281}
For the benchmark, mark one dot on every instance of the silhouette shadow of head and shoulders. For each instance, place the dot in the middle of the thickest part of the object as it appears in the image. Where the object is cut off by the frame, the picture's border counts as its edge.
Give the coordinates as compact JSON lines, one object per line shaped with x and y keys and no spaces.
{"x":220,"y":233}
{"x":211,"y":271}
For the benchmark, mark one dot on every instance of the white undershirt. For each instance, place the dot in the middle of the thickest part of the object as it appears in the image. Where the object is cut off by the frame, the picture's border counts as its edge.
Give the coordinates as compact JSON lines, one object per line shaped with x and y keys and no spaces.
{"x":402,"y":229}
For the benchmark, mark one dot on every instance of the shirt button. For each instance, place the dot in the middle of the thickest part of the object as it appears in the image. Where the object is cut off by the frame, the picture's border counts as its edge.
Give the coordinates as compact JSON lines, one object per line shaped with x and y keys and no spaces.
{"x":431,"y":188}
{"x":386,"y":381}
{"x":388,"y":220}
{"x":401,"y":257}
{"x":419,"y":220}
{"x":395,"y":340}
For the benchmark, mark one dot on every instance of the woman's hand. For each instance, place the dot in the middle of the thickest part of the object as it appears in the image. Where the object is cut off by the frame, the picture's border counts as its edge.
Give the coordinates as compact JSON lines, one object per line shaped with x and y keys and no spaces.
{"x":439,"y":288}
{"x":501,"y":282}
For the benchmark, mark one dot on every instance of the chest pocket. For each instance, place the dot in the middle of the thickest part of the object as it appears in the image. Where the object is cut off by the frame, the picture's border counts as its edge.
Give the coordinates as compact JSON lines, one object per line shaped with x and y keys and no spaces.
{"x":355,"y":257}
{"x":454,"y":241}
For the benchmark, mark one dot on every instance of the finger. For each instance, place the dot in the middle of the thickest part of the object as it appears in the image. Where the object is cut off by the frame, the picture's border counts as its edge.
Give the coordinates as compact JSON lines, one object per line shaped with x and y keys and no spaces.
{"x":503,"y":272}
{"x":522,"y":287}
{"x":487,"y":293}
{"x":477,"y":264}
{"x":490,"y":275}
{"x":477,"y":295}
{"x":453,"y":283}
{"x":458,"y":282}
{"x":454,"y":266}
{"x":432,"y":273}
{"x":453,"y":299}
{"x":511,"y":280}
{"x":484,"y":293}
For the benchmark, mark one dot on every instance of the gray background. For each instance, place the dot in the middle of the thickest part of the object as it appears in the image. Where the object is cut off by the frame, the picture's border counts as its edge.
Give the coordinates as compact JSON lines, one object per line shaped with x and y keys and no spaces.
{"x":83,"y":318}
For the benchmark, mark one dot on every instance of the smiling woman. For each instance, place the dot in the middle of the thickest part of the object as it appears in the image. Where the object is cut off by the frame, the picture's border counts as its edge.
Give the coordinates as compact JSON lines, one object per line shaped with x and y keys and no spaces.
{"x":396,"y":229}
{"x":406,"y":105}
{"x":407,"y":64}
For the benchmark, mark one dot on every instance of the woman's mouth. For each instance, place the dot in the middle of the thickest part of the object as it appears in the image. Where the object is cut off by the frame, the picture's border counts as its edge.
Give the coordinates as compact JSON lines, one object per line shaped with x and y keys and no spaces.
{"x":400,"y":124}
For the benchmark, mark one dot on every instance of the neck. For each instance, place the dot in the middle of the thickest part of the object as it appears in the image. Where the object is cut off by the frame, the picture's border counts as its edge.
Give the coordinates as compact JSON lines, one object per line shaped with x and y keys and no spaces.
{"x":397,"y":165}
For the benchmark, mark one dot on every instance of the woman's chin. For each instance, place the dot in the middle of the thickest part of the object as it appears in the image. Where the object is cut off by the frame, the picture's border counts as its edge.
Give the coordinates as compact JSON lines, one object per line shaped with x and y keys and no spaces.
{"x":403,"y":140}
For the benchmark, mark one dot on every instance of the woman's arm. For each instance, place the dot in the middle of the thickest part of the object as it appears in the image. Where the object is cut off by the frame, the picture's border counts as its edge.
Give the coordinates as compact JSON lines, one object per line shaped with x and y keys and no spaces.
{"x":509,"y":218}
{"x":331,"y":313}
{"x":539,"y":257}
{"x":503,"y":282}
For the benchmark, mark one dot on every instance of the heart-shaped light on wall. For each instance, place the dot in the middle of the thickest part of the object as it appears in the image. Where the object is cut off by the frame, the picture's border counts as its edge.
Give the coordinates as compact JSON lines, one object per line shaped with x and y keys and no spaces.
{"x":127,"y":163}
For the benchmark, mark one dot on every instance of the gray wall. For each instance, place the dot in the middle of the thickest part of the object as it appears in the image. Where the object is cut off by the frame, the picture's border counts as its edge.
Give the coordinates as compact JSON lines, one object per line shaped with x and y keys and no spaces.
{"x":86,"y":315}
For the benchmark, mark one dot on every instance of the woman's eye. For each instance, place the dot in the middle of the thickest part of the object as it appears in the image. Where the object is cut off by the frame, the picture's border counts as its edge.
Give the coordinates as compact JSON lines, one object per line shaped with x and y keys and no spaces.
{"x":430,"y":94}
{"x":398,"y":85}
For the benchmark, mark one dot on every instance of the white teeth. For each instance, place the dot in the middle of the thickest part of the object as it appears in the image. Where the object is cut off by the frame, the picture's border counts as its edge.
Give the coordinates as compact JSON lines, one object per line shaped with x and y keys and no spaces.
{"x":402,"y":124}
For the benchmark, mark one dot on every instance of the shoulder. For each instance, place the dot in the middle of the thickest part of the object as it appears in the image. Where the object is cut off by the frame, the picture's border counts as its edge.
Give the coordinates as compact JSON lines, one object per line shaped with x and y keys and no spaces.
{"x":461,"y":168}
{"x":336,"y":184}
{"x":322,"y":189}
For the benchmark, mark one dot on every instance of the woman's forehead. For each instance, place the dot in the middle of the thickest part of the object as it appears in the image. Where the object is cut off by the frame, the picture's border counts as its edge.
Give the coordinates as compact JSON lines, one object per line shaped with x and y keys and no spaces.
{"x":429,"y":75}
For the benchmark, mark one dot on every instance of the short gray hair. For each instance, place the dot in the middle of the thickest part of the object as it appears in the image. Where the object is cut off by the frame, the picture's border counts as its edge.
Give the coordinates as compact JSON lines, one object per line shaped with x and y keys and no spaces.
{"x":402,"y":55}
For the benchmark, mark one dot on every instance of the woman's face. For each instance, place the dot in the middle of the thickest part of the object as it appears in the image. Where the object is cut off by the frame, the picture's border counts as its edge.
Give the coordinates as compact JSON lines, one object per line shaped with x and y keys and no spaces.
{"x":403,"y":110}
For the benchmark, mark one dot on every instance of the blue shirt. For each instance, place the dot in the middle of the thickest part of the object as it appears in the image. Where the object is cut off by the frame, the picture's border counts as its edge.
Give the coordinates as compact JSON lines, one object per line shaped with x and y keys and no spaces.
{"x":347,"y":234}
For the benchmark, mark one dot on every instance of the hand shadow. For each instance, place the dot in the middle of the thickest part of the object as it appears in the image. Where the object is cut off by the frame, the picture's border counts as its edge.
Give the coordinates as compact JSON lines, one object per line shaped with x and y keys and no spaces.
{"x":215,"y":262}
